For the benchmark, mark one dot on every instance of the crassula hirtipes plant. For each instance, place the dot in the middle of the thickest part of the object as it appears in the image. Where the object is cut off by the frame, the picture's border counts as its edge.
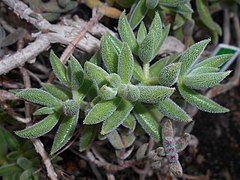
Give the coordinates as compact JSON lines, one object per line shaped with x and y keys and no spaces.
{"x":121,"y":88}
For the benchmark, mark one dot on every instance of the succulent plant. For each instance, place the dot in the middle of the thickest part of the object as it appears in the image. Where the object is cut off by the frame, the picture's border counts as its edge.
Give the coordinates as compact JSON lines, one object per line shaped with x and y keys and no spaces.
{"x":116,"y":89}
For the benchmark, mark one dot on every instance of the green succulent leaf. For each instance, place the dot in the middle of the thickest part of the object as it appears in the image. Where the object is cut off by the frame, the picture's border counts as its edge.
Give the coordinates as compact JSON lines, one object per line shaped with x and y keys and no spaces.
{"x":27,"y":174}
{"x":161,"y":63}
{"x":138,"y":71}
{"x":57,"y":91}
{"x":8,"y":169}
{"x":64,"y":132}
{"x":146,"y":48}
{"x":215,"y":61}
{"x":151,"y":4}
{"x":183,"y":9}
{"x":169,"y":74}
{"x":107,"y":93}
{"x":172,"y":3}
{"x":142,"y":32}
{"x":77,"y":75}
{"x":95,"y":73}
{"x":129,"y":92}
{"x":154,"y":94}
{"x":71,"y":107}
{"x":125,"y":64}
{"x":203,"y":70}
{"x":115,"y":139}
{"x":204,"y":81}
{"x":58,"y":68}
{"x":121,"y":113}
{"x":44,"y":111}
{"x":191,"y":55}
{"x":110,"y":49}
{"x":129,"y":122}
{"x":148,"y":123}
{"x":87,"y":137}
{"x":200,"y":101}
{"x":40,"y":128}
{"x":156,"y":29}
{"x":170,"y":109}
{"x":129,"y":139}
{"x":126,"y":32}
{"x":83,"y":91}
{"x":206,"y":17}
{"x":138,"y":14}
{"x":101,"y":111}
{"x":10,"y":140}
{"x":39,"y":97}
{"x":114,"y":80}
{"x":24,"y":163}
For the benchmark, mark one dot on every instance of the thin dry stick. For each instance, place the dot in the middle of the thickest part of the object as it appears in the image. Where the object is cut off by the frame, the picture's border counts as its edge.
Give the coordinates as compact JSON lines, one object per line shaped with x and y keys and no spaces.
{"x":226,"y":27}
{"x":69,"y":50}
{"x":36,"y":142}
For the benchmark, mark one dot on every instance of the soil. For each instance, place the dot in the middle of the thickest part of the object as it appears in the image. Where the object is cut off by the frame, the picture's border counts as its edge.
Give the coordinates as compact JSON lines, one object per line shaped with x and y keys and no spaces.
{"x":218,"y":151}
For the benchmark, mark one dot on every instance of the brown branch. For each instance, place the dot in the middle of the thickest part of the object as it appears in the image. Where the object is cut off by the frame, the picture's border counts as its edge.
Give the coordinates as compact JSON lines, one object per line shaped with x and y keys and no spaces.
{"x":68,"y":51}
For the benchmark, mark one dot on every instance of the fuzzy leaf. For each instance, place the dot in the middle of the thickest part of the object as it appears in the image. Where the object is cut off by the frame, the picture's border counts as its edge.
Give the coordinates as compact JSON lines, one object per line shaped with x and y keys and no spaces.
{"x":58,"y":68}
{"x":121,"y":113}
{"x":24,"y":163}
{"x":156,"y":29}
{"x":138,"y":14}
{"x":205,"y":16}
{"x":172,"y":3}
{"x":107,"y":93}
{"x":154,"y":94}
{"x":161,"y":63}
{"x":183,"y":9}
{"x":129,"y":122}
{"x":164,"y":35}
{"x":138,"y":71}
{"x":57,"y":91}
{"x":44,"y":111}
{"x":40,"y":128}
{"x":83,"y":91}
{"x":148,"y":123}
{"x":151,"y":4}
{"x":115,"y":139}
{"x":128,"y":139}
{"x":170,"y":109}
{"x":95,"y":73}
{"x":125,"y":64}
{"x":8,"y":169}
{"x":27,"y":174}
{"x":200,"y":101}
{"x":64,"y":132}
{"x":130,"y":92}
{"x":203,"y":70}
{"x":141,"y":152}
{"x":142,"y":32}
{"x":110,"y":49}
{"x":101,"y":111}
{"x":146,"y":48}
{"x":169,"y":74}
{"x":77,"y":76}
{"x":191,"y":55}
{"x":126,"y":32}
{"x":215,"y":61}
{"x":114,"y":80}
{"x":87,"y":137}
{"x":182,"y":142}
{"x":71,"y":107}
{"x":39,"y":97}
{"x":9,"y":139}
{"x":206,"y":80}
